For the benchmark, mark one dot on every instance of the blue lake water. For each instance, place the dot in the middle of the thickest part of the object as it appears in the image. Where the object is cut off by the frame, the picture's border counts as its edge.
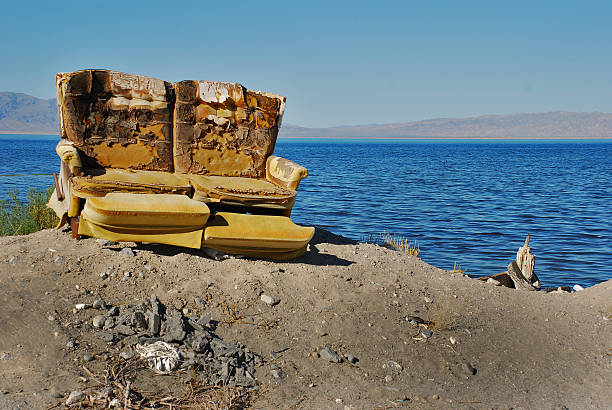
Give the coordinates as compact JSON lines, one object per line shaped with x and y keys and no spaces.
{"x":471,"y":202}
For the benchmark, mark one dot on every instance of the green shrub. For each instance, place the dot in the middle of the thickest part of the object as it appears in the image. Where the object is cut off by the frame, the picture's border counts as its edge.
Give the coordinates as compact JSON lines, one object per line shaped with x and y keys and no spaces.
{"x":20,"y":218}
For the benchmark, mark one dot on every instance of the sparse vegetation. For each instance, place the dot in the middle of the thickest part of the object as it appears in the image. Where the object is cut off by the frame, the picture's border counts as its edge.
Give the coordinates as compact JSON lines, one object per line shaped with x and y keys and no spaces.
{"x":457,"y":269}
{"x":21,"y":218}
{"x":396,"y":242}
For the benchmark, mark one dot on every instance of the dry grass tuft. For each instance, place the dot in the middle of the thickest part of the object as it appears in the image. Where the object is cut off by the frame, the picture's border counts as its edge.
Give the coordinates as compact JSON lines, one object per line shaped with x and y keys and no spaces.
{"x":442,"y":316}
{"x":395,"y":242}
{"x":457,"y":269}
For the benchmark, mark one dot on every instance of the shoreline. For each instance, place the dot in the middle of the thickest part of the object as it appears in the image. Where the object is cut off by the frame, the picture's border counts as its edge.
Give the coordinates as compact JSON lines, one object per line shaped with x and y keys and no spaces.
{"x":405,"y":332}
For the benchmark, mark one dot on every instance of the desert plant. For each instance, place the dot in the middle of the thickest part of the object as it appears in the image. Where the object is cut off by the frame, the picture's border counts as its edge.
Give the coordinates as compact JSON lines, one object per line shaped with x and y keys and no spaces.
{"x":21,"y":218}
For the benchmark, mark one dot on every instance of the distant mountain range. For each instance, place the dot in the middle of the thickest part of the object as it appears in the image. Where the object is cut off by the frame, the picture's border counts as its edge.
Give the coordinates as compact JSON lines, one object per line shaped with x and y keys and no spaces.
{"x":22,"y":113}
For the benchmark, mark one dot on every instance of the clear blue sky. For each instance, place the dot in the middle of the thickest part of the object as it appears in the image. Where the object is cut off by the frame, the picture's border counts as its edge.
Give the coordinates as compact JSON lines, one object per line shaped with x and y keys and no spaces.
{"x":339,"y":63}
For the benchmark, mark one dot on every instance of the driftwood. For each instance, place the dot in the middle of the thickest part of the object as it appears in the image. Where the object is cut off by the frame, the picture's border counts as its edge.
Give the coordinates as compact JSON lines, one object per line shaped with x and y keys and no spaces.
{"x":520,"y":273}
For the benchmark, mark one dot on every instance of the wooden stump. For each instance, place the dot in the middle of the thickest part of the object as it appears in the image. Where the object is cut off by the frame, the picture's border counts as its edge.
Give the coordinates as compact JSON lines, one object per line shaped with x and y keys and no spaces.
{"x":520,"y":282}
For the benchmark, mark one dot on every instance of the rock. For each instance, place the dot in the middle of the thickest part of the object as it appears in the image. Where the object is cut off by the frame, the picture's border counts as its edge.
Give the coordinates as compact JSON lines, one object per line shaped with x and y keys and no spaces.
{"x":388,"y":378}
{"x":428,"y":300}
{"x":88,"y":357}
{"x":126,"y":354}
{"x":126,"y":252}
{"x":328,"y":354}
{"x":494,"y":282}
{"x":453,"y":340}
{"x":577,"y":288}
{"x":155,"y":304}
{"x":426,"y":333}
{"x":71,"y":344}
{"x":350,"y":358}
{"x":115,"y":403}
{"x":75,"y":397}
{"x":14,"y":260}
{"x":98,"y":321}
{"x":149,"y":267}
{"x":103,"y":275}
{"x":56,"y":394}
{"x":277,"y":373}
{"x":200,"y":302}
{"x":139,"y":320}
{"x":467,"y":369}
{"x":393,"y":366}
{"x":80,"y":306}
{"x":99,"y":304}
{"x":127,"y":274}
{"x":113,"y":311}
{"x":5,"y":356}
{"x":103,"y":241}
{"x":269,"y":300}
{"x":154,"y":323}
{"x":105,"y":336}
{"x":173,"y":328}
{"x":60,"y":260}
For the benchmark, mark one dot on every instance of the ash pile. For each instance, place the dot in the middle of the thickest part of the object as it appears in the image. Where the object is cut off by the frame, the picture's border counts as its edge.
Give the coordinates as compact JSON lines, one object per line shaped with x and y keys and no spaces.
{"x":170,"y":339}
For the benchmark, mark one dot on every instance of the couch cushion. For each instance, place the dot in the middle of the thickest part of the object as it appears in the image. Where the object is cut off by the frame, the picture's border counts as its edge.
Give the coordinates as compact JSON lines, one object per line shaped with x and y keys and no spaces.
{"x":100,"y":182}
{"x":117,"y":120}
{"x":241,"y":191}
{"x":224,"y":129}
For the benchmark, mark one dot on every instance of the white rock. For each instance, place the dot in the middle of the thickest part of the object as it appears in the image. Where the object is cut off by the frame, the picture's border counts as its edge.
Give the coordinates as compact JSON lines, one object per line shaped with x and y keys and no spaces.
{"x":75,"y":397}
{"x":80,"y":306}
{"x":577,"y":288}
{"x":269,"y":300}
{"x":428,"y":300}
{"x":493,"y":282}
{"x":453,"y":340}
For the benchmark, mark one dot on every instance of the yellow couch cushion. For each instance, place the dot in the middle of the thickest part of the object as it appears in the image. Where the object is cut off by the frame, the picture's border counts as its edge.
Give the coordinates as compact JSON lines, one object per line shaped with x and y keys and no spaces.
{"x":159,"y":218}
{"x":275,"y":237}
{"x":241,"y":191}
{"x":100,"y":182}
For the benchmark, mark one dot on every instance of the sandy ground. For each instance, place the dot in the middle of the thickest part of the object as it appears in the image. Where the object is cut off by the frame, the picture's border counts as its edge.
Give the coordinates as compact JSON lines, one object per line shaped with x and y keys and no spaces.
{"x":513,"y":349}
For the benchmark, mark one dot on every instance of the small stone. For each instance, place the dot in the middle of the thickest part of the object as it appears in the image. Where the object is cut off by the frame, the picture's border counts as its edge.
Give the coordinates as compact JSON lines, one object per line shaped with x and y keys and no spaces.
{"x":50,"y":318}
{"x":80,"y":306}
{"x":60,"y":260}
{"x":98,"y":321}
{"x":388,"y":378}
{"x":350,"y":358}
{"x":126,"y":252}
{"x":493,"y":282}
{"x":113,"y":311}
{"x":103,"y":275}
{"x":393,"y":366}
{"x":426,"y":333}
{"x":339,"y":401}
{"x":114,"y":403}
{"x":154,"y":323}
{"x":467,"y":369}
{"x":453,"y":340}
{"x":99,"y":304}
{"x":126,"y":354}
{"x":127,"y":274}
{"x":435,"y":397}
{"x":149,"y":267}
{"x":428,"y":300}
{"x":269,"y":300}
{"x":5,"y":356}
{"x":141,"y":275}
{"x":71,"y":344}
{"x":75,"y":397}
{"x":105,"y":336}
{"x":103,"y":241}
{"x":277,"y":373}
{"x":139,"y":320}
{"x":577,"y":288}
{"x":200,"y":302}
{"x":14,"y":260}
{"x":88,"y":357}
{"x":328,"y":354}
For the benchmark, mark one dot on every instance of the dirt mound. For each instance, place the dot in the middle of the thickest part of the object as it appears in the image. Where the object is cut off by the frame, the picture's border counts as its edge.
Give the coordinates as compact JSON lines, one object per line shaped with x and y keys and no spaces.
{"x":347,"y":325}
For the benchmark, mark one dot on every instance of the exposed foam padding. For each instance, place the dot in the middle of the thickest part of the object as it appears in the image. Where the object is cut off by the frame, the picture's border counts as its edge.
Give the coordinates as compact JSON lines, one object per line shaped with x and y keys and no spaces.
{"x":224,"y":129}
{"x":117,"y":120}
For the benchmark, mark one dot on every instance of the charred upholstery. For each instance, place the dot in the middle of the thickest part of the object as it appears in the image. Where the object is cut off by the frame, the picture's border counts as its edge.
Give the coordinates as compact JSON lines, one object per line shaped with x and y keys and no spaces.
{"x":224,"y":129}
{"x":117,"y":120}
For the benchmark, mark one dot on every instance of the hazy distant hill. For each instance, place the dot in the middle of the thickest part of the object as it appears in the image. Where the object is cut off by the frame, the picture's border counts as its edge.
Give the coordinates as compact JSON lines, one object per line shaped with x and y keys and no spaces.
{"x":22,"y":112}
{"x":548,"y":124}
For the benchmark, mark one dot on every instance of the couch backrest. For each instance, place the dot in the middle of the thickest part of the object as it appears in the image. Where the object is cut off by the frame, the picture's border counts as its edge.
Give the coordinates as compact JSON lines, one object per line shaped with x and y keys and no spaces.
{"x":117,"y":120}
{"x":224,"y":129}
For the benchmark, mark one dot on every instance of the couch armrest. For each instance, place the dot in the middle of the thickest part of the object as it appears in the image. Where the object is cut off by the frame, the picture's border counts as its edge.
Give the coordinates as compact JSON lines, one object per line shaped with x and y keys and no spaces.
{"x":285,"y":173}
{"x":69,"y":156}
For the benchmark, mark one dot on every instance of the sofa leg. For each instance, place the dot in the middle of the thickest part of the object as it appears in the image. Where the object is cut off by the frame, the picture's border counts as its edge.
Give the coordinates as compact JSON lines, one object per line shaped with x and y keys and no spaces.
{"x":74,"y":227}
